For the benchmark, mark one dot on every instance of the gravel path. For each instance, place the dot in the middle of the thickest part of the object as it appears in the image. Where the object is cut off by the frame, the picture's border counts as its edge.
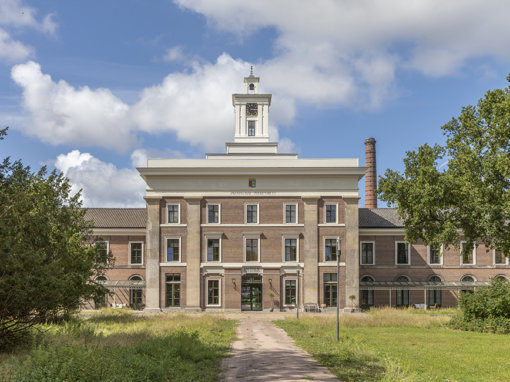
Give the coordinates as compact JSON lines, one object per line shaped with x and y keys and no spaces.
{"x":264,"y":352}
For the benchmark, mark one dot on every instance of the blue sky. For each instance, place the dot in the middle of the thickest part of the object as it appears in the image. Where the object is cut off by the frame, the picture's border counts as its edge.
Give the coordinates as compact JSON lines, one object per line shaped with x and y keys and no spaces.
{"x":95,"y":88}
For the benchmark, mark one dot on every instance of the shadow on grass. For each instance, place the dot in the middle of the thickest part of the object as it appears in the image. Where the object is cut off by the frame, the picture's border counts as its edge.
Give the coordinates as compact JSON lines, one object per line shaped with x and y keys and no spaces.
{"x":368,"y":369}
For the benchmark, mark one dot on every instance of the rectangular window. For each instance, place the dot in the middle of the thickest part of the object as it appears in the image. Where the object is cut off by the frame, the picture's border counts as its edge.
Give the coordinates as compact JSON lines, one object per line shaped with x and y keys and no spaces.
{"x":434,"y":255}
{"x":173,"y":213}
{"x":467,"y":258}
{"x":402,"y":254}
{"x":330,"y":249}
{"x":367,"y":253}
{"x":290,"y":292}
{"x":102,"y":246}
{"x":252,"y":213}
{"x":330,"y":289}
{"x":213,"y":292}
{"x":136,"y":253}
{"x":173,"y":251}
{"x":251,"y":128}
{"x":330,"y":213}
{"x":252,"y":249}
{"x":213,"y":249}
{"x":291,"y":213}
{"x":213,"y":213}
{"x":290,"y":249}
{"x":173,"y":290}
{"x":499,"y":257}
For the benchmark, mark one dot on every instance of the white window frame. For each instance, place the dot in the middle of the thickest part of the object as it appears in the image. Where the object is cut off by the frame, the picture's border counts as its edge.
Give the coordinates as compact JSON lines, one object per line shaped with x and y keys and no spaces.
{"x":107,"y":246}
{"x":284,"y":290}
{"x":248,"y":120}
{"x":246,"y":212}
{"x":494,"y":258}
{"x":295,"y":237}
{"x":178,"y":213}
{"x":219,"y":212}
{"x":336,"y":213}
{"x":256,"y":237}
{"x":441,"y":255}
{"x":129,"y":254}
{"x":207,"y":292}
{"x":360,"y":252}
{"x":166,"y":249}
{"x":466,"y":275}
{"x":324,"y":238}
{"x":285,"y":212}
{"x":212,"y":237}
{"x":462,"y":257}
{"x":408,"y":252}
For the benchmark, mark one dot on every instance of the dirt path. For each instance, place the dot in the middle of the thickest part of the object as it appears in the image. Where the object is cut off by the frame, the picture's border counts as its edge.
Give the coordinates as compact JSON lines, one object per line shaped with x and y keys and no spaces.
{"x":264,"y":352}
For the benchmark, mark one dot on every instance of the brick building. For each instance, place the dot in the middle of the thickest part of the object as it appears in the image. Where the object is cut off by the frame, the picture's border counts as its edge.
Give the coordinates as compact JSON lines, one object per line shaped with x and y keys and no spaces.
{"x":254,"y":229}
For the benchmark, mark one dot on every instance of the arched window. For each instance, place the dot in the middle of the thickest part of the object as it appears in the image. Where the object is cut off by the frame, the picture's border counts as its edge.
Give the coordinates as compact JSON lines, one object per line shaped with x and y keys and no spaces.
{"x":467,"y":280}
{"x":136,"y":294}
{"x":402,"y":294}
{"x":435,"y":295}
{"x":367,"y":296}
{"x":252,"y":87}
{"x":501,"y":277}
{"x":101,"y":301}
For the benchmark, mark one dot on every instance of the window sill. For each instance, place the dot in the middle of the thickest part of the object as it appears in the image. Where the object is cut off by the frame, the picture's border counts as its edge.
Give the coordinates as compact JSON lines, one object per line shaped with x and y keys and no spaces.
{"x":172,"y":264}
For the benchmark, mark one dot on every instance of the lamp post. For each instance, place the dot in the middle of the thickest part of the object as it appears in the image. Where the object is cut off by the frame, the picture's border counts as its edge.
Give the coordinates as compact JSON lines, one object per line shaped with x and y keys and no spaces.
{"x":297,"y":295}
{"x":337,"y":290}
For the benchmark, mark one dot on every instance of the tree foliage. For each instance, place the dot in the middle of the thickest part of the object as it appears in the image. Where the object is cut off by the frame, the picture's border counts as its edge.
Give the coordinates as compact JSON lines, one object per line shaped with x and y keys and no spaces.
{"x":45,"y":262}
{"x":468,"y":198}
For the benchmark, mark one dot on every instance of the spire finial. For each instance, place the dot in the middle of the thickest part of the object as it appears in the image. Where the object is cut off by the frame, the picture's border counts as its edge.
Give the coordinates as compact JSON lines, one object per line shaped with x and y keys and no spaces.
{"x":251,"y":71}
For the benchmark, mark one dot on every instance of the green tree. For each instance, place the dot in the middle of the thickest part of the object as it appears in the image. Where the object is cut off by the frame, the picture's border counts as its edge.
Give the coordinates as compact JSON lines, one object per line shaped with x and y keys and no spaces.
{"x":47,"y":260}
{"x":470,"y":196}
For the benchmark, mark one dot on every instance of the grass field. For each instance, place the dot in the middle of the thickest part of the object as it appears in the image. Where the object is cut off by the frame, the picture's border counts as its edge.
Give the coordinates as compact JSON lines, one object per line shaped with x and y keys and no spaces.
{"x":122,"y":346}
{"x":402,"y":345}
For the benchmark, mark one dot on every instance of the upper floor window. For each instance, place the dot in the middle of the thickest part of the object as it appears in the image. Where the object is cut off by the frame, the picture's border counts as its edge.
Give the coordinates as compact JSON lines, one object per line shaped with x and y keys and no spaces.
{"x":367,"y":252}
{"x":251,"y":249}
{"x":330,"y":213}
{"x":330,"y":249}
{"x":103,"y":247}
{"x":251,"y":128}
{"x":136,"y":253}
{"x":173,"y":213}
{"x":290,"y":249}
{"x":213,"y":249}
{"x":500,"y":258}
{"x":468,"y":258}
{"x":435,"y":255}
{"x":213,"y":213}
{"x":173,"y":249}
{"x":252,"y":215}
{"x":402,"y":253}
{"x":291,"y":213}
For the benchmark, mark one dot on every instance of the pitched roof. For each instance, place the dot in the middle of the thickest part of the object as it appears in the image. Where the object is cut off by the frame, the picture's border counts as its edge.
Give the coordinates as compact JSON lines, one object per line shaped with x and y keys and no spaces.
{"x":117,"y":217}
{"x":379,"y":218}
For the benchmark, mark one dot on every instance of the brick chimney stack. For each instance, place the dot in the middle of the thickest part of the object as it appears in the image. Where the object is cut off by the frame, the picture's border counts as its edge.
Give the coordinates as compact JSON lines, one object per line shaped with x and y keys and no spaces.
{"x":371,"y":174}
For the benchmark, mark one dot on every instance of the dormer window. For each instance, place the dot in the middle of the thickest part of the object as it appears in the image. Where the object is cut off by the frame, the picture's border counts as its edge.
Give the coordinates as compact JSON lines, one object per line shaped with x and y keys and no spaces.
{"x":251,"y":128}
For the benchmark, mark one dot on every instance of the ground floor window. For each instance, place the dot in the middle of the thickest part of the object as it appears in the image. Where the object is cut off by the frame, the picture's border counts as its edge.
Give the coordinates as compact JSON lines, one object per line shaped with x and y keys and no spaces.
{"x":213,"y":292}
{"x":136,"y":295}
{"x":403,"y":294}
{"x":101,"y":301}
{"x":367,"y":296}
{"x":173,"y":290}
{"x":290,"y":292}
{"x":435,"y":295}
{"x":330,"y":286}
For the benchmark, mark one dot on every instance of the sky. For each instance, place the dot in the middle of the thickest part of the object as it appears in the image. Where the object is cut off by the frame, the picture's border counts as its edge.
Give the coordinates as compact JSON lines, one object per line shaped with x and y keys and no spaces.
{"x":95,"y":88}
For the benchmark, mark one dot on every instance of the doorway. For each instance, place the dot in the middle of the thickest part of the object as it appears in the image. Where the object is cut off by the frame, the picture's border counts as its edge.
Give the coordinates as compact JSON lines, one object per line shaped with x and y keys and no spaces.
{"x":251,"y":293}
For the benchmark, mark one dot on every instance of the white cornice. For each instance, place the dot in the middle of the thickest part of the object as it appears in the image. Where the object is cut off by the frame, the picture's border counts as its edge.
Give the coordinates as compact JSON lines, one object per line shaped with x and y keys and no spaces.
{"x":120,"y":231}
{"x":382,"y":231}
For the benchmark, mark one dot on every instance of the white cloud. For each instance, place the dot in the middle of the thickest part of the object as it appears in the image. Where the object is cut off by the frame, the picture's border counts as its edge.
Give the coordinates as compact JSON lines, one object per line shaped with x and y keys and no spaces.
{"x":63,"y":114}
{"x":174,"y":54}
{"x":11,"y":50}
{"x":102,"y":184}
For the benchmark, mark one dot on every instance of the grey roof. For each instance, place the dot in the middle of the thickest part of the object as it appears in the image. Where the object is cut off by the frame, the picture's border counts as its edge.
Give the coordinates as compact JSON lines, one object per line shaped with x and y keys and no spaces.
{"x":379,"y":218}
{"x":117,"y":217}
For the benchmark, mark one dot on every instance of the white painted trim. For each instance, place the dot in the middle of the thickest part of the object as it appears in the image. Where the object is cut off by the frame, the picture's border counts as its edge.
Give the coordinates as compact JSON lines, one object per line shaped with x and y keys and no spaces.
{"x":408,"y":252}
{"x":254,"y":237}
{"x":166,"y":249}
{"x":129,"y":254}
{"x":330,"y":263}
{"x":172,"y":225}
{"x":251,"y":225}
{"x":207,"y":291}
{"x":470,"y":275}
{"x":172,"y":264}
{"x":290,"y":236}
{"x":246,"y":212}
{"x":336,"y":213}
{"x":462,"y":257}
{"x":284,"y":279}
{"x":119,"y":231}
{"x":350,"y":193}
{"x":212,"y":236}
{"x":381,"y":231}
{"x":178,"y":213}
{"x":441,"y":255}
{"x":331,"y":225}
{"x":324,"y":247}
{"x":207,"y":212}
{"x":494,"y":259}
{"x":360,"y":252}
{"x":285,"y":213}
{"x":254,"y":264}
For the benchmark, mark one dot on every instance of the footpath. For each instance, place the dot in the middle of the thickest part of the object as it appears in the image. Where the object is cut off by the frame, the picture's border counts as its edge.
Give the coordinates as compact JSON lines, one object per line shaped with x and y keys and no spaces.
{"x":264,"y":352}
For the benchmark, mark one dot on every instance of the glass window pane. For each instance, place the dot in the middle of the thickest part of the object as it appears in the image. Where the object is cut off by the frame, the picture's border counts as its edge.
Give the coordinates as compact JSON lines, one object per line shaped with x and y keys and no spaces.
{"x":290,"y":292}
{"x":402,"y":253}
{"x":136,"y":253}
{"x":213,"y":215}
{"x":290,"y":250}
{"x":173,"y":213}
{"x":213,"y":249}
{"x":173,"y":251}
{"x":213,"y":292}
{"x":251,"y":213}
{"x":330,"y":213}
{"x":252,"y":253}
{"x":290,"y":213}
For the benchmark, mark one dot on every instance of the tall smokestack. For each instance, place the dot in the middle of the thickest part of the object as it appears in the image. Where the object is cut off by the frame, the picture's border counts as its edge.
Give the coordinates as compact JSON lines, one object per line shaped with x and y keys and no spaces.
{"x":371,"y":175}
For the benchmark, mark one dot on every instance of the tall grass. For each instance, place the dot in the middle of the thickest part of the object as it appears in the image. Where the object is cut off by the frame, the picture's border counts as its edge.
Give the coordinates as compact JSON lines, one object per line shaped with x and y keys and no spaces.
{"x":121,"y":346}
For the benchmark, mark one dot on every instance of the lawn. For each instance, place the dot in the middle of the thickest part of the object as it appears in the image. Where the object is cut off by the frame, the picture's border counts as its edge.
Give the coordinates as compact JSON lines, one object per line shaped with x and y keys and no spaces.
{"x":401,"y":345}
{"x":122,"y":346}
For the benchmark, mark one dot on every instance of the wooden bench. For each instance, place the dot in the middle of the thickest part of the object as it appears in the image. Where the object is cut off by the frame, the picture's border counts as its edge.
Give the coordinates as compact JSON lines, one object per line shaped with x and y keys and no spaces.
{"x":311,"y":307}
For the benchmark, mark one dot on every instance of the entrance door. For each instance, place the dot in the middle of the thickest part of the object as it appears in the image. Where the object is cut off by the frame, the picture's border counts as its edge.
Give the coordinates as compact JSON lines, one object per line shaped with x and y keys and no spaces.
{"x":251,"y":292}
